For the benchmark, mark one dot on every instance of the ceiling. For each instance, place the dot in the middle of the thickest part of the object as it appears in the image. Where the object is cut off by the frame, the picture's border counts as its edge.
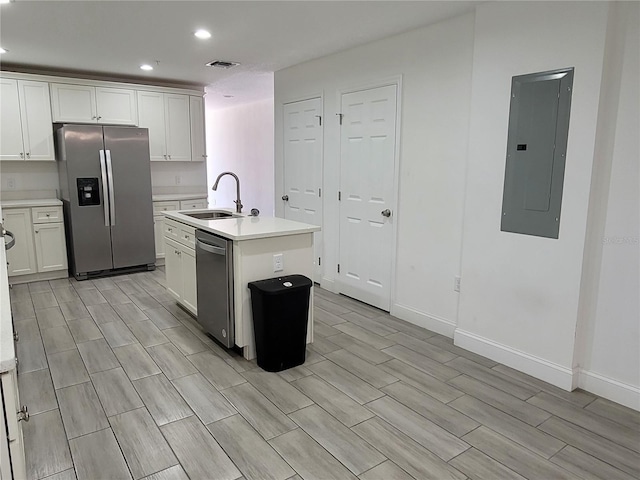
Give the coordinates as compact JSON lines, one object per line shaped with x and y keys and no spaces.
{"x":114,"y":38}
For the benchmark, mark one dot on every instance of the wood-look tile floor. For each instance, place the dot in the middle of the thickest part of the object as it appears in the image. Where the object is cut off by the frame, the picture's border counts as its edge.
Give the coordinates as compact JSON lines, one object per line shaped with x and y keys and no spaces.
{"x":121,"y":383}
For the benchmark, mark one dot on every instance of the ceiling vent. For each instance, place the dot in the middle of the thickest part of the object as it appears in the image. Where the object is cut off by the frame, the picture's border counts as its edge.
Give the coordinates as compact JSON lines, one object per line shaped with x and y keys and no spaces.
{"x":222,"y":64}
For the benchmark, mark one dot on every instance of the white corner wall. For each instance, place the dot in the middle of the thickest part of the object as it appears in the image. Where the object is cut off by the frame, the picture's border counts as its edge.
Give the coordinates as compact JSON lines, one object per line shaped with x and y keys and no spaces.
{"x":240,"y":139}
{"x":435,"y":65}
{"x":610,"y":356}
{"x":520,"y":293}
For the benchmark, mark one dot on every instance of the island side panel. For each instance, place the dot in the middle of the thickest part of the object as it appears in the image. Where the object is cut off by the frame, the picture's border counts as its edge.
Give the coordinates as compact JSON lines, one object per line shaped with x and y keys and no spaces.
{"x":253,"y":260}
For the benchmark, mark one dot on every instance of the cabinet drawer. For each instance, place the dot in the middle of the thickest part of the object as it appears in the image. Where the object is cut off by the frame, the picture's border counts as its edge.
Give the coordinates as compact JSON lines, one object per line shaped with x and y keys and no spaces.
{"x":171,"y":229}
{"x":193,"y":204}
{"x":187,"y":236}
{"x":165,"y":206}
{"x":46,"y":214}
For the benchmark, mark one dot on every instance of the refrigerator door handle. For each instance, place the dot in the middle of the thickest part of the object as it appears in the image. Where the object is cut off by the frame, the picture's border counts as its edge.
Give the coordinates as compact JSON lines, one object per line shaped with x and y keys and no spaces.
{"x":105,"y":203}
{"x":112,"y":200}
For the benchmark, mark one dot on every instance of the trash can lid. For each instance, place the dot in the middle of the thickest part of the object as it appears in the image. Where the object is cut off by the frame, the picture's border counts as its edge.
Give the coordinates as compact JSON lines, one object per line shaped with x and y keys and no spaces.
{"x":279,"y":285}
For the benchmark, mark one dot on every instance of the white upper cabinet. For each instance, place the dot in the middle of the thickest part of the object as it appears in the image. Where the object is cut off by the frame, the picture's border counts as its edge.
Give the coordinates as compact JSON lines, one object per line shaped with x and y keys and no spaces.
{"x":198,"y":139}
{"x":176,"y":117}
{"x":151,"y":116}
{"x":88,"y":104}
{"x":116,"y":106}
{"x":167,"y":118}
{"x":26,"y":132}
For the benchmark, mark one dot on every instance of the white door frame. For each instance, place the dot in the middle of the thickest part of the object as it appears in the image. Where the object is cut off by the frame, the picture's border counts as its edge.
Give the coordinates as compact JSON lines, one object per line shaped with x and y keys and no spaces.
{"x":383,"y":82}
{"x":296,"y":99}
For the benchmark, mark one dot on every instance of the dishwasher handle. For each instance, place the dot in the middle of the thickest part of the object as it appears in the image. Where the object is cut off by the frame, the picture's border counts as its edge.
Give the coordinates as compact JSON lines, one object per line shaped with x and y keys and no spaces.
{"x":211,"y":249}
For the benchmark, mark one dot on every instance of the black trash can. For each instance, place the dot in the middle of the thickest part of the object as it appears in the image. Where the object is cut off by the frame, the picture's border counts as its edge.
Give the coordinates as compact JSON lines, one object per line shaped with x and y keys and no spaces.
{"x":280,"y":312}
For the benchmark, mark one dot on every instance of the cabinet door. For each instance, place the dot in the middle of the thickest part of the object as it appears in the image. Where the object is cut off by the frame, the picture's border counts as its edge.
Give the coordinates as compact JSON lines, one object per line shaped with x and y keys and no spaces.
{"x":198,"y":138}
{"x":116,"y":106}
{"x":51,"y":248}
{"x":35,"y":111}
{"x":173,"y":268}
{"x":158,"y":230}
{"x":11,"y":402}
{"x":176,"y":117}
{"x":151,"y":116}
{"x":189,"y":291}
{"x":21,"y":258}
{"x":193,"y":204}
{"x":73,"y":103}
{"x":11,"y":146}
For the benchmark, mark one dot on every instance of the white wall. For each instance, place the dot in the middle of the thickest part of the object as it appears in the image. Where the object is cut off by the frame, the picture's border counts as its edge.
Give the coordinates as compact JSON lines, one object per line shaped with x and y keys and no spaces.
{"x":29,"y":176}
{"x":240,"y":139}
{"x":179,"y":174}
{"x":610,"y":357}
{"x":435,"y":65}
{"x":520,"y":293}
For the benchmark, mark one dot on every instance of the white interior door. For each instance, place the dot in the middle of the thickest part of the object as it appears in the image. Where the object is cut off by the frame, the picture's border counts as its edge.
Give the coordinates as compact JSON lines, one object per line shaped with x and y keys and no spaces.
{"x":303,"y":168}
{"x":367,"y":166}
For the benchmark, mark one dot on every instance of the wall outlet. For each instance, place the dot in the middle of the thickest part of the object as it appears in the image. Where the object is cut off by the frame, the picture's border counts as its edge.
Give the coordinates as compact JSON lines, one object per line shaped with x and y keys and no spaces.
{"x":178,"y":179}
{"x":456,"y":283}
{"x":278,"y":263}
{"x":11,"y":183}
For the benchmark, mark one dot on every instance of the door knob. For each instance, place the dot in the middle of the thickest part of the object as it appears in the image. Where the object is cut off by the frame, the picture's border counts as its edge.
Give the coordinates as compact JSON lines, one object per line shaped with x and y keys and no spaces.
{"x":386,"y":213}
{"x":285,"y":198}
{"x":23,"y":414}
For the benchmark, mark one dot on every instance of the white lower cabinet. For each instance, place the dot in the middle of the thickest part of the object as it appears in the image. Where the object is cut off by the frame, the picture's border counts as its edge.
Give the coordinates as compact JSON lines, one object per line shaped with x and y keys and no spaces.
{"x":51,"y":247}
{"x":40,"y":246}
{"x":21,"y":259}
{"x":180,"y":264}
{"x":12,"y":444}
{"x":158,"y":219}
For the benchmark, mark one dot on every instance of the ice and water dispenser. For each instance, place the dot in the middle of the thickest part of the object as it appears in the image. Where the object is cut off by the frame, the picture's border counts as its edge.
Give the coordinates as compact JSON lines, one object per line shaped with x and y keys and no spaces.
{"x":88,"y":192}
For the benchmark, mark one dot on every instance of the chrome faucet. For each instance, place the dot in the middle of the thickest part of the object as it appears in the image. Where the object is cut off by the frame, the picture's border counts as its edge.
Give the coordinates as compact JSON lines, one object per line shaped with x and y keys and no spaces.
{"x":237,"y":201}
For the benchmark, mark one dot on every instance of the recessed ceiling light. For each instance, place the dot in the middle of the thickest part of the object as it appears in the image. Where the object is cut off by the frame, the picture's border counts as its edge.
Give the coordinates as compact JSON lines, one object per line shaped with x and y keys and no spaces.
{"x":202,"y":34}
{"x":146,"y":67}
{"x":2,"y":50}
{"x":228,"y":96}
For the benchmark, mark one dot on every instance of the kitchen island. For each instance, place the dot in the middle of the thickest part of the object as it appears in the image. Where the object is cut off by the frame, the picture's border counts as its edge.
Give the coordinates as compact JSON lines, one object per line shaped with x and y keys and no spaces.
{"x":255,"y":242}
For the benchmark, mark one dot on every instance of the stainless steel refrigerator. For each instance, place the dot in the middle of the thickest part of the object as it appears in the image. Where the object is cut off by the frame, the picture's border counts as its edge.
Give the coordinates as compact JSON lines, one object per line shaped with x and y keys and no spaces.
{"x":105,"y":187}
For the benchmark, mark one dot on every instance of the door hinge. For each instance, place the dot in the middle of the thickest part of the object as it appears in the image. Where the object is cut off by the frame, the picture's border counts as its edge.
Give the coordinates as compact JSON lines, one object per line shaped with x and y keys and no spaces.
{"x":338,"y":268}
{"x":340,"y":115}
{"x":339,"y":196}
{"x":319,"y":261}
{"x":319,"y":192}
{"x":319,"y":119}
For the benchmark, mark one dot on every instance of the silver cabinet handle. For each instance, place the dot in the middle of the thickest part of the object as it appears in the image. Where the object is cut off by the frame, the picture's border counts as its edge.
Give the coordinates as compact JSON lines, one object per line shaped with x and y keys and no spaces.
{"x":285,"y":198}
{"x":112,"y":199}
{"x":23,"y":414}
{"x":386,"y":213}
{"x":16,"y":337}
{"x":105,"y":183}
{"x":99,"y":117}
{"x":12,"y":242}
{"x":21,"y":155}
{"x":28,"y":154}
{"x":94,"y":118}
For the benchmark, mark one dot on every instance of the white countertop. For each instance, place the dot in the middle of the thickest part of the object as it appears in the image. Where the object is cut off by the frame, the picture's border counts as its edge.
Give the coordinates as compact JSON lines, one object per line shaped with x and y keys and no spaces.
{"x":168,"y":197}
{"x":7,"y":353}
{"x":42,"y":202}
{"x":246,"y":227}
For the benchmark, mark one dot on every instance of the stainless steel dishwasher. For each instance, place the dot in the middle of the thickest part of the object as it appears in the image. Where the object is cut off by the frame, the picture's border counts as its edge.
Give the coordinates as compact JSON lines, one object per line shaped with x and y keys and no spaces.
{"x":214,"y":267}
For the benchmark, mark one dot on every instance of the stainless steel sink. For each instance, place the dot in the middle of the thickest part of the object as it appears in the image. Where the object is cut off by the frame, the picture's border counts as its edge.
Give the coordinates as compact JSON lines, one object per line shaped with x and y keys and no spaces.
{"x":210,"y":215}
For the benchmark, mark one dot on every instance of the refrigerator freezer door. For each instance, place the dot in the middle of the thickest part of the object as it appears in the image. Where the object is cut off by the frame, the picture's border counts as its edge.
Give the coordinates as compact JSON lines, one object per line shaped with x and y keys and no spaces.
{"x":78,"y":147}
{"x":132,"y":236}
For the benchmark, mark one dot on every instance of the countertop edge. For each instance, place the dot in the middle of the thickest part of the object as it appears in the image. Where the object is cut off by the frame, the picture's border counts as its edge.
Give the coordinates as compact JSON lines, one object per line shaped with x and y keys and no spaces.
{"x":205,"y":225}
{"x":176,"y":197}
{"x":42,"y":202}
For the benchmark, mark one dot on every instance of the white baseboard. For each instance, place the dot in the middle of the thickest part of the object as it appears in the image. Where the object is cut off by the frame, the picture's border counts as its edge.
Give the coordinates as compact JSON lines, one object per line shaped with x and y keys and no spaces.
{"x":328,"y":284}
{"x":537,"y":367}
{"x":611,"y":389}
{"x":430,"y":322}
